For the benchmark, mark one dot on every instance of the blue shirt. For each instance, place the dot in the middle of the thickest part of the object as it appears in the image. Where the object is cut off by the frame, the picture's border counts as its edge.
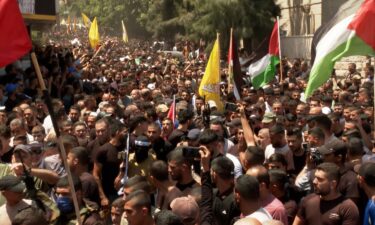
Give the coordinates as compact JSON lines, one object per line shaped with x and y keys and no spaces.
{"x":369,"y":218}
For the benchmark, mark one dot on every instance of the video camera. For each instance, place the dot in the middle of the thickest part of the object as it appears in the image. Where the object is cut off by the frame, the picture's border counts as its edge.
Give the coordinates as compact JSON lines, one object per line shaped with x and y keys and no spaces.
{"x":316,"y":157}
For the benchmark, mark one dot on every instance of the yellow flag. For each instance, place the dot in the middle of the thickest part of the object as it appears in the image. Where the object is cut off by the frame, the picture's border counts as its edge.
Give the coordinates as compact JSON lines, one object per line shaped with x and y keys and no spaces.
{"x":86,"y":20}
{"x":124,"y":33}
{"x":210,"y":84}
{"x":94,"y":34}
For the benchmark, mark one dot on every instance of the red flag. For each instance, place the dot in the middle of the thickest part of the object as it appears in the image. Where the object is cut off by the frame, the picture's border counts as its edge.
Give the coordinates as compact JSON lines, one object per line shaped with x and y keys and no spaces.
{"x":172,"y":111}
{"x":14,"y":39}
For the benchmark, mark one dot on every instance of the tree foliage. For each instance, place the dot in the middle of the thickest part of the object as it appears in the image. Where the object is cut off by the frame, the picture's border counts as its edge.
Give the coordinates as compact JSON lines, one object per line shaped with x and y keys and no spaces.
{"x":182,"y":19}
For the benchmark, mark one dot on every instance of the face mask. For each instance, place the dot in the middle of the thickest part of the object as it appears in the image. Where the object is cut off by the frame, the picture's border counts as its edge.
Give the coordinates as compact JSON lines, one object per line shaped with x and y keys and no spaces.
{"x":65,"y":205}
{"x":141,"y":154}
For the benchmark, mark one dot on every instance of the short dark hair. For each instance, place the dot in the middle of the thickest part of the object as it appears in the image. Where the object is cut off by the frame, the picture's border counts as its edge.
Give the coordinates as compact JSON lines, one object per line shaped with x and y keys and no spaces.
{"x":367,"y":171}
{"x":254,"y":155}
{"x":140,"y":198}
{"x":355,"y":147}
{"x":317,"y":132}
{"x":167,"y":217}
{"x":208,"y":136}
{"x":115,"y":127}
{"x":331,"y":169}
{"x":279,"y":177}
{"x":247,"y":187}
{"x":224,"y":167}
{"x":323,"y":122}
{"x":278,"y":157}
{"x":81,"y":154}
{"x":294,"y":132}
{"x":134,"y":122}
{"x":184,"y":116}
{"x":159,"y":170}
{"x":118,"y":203}
{"x":134,"y":180}
{"x":177,"y":155}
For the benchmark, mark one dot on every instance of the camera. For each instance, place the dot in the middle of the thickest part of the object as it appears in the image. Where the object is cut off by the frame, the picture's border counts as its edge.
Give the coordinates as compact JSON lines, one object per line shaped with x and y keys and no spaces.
{"x":191,"y":152}
{"x":316,"y":156}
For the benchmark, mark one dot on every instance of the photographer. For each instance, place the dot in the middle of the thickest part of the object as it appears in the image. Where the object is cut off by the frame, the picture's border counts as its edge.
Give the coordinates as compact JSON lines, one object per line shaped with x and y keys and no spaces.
{"x":336,"y":153}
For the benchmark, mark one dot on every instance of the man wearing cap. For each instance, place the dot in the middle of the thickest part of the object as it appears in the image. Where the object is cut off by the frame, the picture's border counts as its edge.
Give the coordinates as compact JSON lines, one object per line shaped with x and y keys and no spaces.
{"x":327,"y":205}
{"x":336,"y":152}
{"x":12,"y":188}
{"x":269,"y":120}
{"x":42,"y":176}
{"x":366,"y":180}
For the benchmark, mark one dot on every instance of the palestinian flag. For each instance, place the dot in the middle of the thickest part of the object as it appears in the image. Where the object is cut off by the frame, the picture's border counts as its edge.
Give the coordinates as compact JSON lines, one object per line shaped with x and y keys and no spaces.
{"x":350,"y":32}
{"x":263,"y":71}
{"x":234,"y":68}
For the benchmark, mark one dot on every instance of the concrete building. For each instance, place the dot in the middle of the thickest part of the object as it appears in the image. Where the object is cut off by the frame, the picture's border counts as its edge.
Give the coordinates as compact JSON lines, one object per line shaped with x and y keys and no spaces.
{"x":299,"y":20}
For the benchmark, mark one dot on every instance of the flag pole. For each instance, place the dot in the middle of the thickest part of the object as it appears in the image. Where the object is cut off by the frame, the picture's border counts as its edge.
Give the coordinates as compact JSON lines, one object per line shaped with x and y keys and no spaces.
{"x":278,"y":35}
{"x":230,"y":66}
{"x":57,"y":131}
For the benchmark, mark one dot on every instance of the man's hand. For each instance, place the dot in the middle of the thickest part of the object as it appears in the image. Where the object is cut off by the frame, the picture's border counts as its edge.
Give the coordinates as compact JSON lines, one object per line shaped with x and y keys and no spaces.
{"x":104,"y":202}
{"x":205,"y":158}
{"x":17,"y":169}
{"x":241,"y":108}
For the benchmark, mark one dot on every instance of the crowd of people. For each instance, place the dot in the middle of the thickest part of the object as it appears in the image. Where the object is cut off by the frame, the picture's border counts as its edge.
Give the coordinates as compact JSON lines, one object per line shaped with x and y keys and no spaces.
{"x":272,"y":157}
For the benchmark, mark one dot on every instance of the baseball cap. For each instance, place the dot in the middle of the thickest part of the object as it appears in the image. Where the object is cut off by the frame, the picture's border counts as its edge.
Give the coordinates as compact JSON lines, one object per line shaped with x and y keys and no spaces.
{"x":186,"y":208}
{"x":336,"y":146}
{"x":24,"y":148}
{"x":12,"y":183}
{"x":268,"y":117}
{"x":193,"y":134}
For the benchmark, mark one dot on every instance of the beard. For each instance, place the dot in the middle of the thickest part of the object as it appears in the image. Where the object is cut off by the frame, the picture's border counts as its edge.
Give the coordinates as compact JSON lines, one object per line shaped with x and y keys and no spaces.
{"x":321,"y":192}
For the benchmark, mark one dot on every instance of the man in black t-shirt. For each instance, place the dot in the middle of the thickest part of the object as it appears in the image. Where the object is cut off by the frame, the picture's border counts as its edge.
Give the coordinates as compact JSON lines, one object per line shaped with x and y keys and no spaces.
{"x":107,"y":163}
{"x":294,"y":139}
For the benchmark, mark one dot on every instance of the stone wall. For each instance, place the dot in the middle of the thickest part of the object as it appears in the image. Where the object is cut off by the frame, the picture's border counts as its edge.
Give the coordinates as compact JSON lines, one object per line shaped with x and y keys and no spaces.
{"x":342,"y":65}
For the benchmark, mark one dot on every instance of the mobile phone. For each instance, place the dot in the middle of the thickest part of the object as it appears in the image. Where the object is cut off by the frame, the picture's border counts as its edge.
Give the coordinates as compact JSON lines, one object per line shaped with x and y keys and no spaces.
{"x":191,"y":152}
{"x":231,"y":107}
